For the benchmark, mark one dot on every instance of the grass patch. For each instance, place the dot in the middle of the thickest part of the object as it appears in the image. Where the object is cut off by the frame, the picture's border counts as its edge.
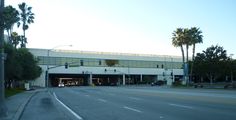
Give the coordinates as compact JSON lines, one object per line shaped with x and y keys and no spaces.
{"x":12,"y":91}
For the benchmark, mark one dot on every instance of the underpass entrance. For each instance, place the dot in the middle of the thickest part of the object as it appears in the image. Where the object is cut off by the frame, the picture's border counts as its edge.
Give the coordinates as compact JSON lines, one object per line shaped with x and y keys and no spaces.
{"x":84,"y":79}
{"x":68,"y":79}
{"x":106,"y":80}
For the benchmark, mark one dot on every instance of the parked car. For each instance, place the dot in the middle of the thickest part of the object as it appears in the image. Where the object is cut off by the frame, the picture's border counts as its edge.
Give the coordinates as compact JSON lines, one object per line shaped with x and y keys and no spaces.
{"x":230,"y":85}
{"x":158,"y":83}
{"x":61,"y":85}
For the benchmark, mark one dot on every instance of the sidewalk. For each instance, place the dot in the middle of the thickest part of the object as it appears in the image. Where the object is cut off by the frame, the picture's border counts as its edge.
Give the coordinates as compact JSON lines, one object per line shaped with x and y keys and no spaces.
{"x":16,"y":104}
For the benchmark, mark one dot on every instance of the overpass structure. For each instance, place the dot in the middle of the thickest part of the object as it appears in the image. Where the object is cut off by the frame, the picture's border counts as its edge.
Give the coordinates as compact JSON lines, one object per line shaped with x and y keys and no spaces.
{"x":105,"y":68}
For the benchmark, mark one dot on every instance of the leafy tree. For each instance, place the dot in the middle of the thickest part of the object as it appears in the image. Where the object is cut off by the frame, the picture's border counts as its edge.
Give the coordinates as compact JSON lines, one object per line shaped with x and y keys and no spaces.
{"x":15,"y":39}
{"x":26,"y":17}
{"x":111,"y":63}
{"x":13,"y":69}
{"x":20,"y":65}
{"x":212,"y":63}
{"x":30,"y":68}
{"x":232,"y":69}
{"x":10,"y":17}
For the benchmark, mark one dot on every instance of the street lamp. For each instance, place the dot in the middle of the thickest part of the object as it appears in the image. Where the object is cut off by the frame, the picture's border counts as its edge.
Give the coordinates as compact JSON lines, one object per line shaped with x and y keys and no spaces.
{"x":172,"y":71}
{"x":231,"y":59}
{"x":48,"y":51}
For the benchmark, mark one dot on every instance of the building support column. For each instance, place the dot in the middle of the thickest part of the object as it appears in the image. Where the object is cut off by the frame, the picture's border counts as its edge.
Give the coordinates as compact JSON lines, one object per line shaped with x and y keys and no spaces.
{"x":123,"y":79}
{"x":90,"y":79}
{"x":141,"y":78}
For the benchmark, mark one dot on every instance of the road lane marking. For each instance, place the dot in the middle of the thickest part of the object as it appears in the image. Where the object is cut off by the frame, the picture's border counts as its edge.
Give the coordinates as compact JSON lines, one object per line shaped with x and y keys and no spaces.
{"x":87,"y":95}
{"x":134,"y":98}
{"x":132,"y":109}
{"x":179,"y":105}
{"x":71,"y":111}
{"x":102,"y":100}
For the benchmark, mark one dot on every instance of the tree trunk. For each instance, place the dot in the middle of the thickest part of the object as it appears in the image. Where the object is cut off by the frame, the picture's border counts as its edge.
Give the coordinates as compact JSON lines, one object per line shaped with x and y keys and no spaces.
{"x":8,"y":34}
{"x":193,"y":56}
{"x":187,"y":71}
{"x":191,"y":71}
{"x":182,"y":50}
{"x":187,"y":53}
{"x":211,"y":79}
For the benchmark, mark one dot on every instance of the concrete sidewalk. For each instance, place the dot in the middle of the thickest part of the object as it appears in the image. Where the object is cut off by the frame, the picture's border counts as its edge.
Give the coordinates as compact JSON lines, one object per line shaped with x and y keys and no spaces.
{"x":16,"y":104}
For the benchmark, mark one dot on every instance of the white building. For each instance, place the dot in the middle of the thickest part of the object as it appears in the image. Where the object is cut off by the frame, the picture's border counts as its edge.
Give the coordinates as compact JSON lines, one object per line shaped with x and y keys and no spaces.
{"x":86,"y":68}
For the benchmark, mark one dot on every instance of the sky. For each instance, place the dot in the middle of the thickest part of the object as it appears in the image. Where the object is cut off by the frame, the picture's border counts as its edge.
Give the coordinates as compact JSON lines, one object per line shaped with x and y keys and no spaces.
{"x":129,"y":26}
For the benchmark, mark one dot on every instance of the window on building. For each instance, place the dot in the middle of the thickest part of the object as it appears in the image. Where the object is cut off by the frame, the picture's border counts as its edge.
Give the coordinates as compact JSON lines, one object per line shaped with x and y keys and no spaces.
{"x":100,"y":62}
{"x":81,"y":63}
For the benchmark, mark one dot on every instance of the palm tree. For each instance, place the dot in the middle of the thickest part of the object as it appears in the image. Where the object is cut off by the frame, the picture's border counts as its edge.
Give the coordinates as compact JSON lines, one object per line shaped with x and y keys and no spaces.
{"x":196,"y":38}
{"x":10,"y":16}
{"x":15,"y":39}
{"x":187,"y":40}
{"x":26,"y":17}
{"x":178,"y":40}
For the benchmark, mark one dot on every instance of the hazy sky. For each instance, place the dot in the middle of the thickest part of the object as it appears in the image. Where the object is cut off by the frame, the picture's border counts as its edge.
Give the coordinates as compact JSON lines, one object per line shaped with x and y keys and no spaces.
{"x":129,"y":26}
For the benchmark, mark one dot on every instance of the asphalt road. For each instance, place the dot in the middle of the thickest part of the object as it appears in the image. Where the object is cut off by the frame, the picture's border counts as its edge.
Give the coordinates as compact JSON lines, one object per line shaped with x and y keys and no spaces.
{"x":132,"y":103}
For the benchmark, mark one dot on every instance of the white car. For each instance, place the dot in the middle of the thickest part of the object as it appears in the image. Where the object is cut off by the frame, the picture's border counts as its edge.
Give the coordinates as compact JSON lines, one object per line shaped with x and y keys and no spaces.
{"x":61,"y":85}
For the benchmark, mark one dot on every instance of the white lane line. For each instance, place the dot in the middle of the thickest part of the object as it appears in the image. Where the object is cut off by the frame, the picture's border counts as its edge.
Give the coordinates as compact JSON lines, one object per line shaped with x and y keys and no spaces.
{"x":132,"y":109}
{"x":102,"y":100}
{"x":134,"y":98}
{"x":87,"y":95}
{"x":182,"y":106}
{"x":72,"y":112}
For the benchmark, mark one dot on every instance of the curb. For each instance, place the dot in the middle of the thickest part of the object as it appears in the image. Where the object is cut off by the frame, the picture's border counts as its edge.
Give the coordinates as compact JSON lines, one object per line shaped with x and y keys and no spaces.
{"x":21,"y":109}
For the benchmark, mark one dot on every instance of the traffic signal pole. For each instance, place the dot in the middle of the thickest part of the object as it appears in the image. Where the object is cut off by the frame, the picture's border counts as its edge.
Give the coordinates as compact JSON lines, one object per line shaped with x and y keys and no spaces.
{"x":3,"y":108}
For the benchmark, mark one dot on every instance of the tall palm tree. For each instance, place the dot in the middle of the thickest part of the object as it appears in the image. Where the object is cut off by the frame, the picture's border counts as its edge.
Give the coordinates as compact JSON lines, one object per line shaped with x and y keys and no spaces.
{"x":187,"y":40}
{"x":196,"y":37}
{"x":10,"y":17}
{"x":26,"y":17}
{"x":178,"y":40}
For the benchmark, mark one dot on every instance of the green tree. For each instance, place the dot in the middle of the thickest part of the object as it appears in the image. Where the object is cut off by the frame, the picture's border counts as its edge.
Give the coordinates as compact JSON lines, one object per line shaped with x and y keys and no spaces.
{"x":29,"y":64}
{"x":15,"y":39}
{"x":26,"y":18}
{"x":20,"y":65}
{"x":13,"y":69}
{"x":10,"y":17}
{"x":212,"y":63}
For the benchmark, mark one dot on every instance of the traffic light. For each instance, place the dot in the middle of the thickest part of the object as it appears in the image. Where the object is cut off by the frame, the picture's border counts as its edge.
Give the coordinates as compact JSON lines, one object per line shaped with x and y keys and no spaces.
{"x":66,"y":65}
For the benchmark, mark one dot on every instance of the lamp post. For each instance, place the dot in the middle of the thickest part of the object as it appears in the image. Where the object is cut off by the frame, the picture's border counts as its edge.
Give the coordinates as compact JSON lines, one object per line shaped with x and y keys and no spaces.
{"x":48,"y":51}
{"x":231,"y":74}
{"x":172,"y":71}
{"x":3,"y":108}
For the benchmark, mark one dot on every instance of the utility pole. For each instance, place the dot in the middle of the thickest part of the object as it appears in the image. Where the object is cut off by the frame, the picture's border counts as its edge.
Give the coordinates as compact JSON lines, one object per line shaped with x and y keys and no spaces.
{"x":3,"y":108}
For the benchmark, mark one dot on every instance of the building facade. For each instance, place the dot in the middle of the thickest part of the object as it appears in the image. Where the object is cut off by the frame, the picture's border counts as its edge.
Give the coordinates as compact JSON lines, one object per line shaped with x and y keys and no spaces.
{"x":78,"y":68}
